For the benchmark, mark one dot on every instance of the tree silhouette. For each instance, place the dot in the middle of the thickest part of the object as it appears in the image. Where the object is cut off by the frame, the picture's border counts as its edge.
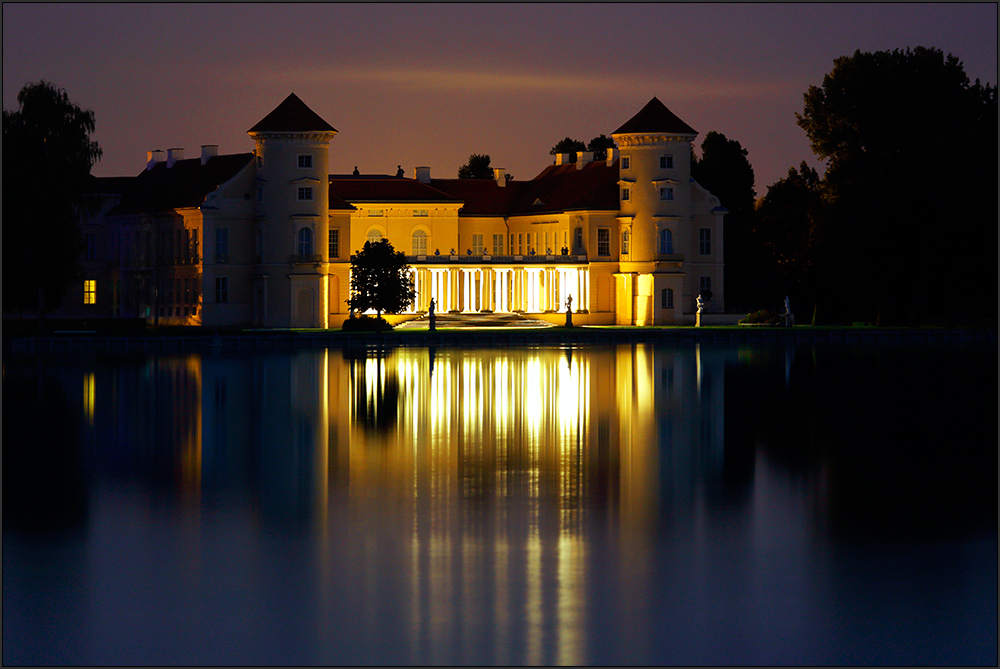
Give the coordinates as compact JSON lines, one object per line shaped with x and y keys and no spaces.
{"x":600,"y":145}
{"x":380,"y":279}
{"x":911,"y":151}
{"x":47,"y":158}
{"x":478,"y":167}
{"x":567,"y":145}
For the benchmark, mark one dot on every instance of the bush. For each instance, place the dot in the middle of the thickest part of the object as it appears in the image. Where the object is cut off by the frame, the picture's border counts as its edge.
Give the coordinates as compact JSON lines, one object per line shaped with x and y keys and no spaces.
{"x":366,"y":324}
{"x":761,"y":317}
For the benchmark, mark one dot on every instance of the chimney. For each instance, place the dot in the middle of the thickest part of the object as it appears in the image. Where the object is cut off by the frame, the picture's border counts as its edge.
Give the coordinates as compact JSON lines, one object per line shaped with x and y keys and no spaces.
{"x":422,"y":174}
{"x":563,"y":158}
{"x":583,"y":157}
{"x":498,"y":174}
{"x":153,"y":157}
{"x":173,"y":155}
{"x":612,"y":156}
{"x":208,"y":151}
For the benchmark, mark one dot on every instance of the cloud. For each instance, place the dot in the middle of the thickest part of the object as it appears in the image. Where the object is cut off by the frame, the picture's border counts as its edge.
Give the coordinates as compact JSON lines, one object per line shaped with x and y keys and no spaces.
{"x":444,"y":80}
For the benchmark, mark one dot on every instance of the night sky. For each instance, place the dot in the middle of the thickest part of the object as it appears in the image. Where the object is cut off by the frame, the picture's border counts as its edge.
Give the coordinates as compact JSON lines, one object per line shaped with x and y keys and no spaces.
{"x":429,"y":84}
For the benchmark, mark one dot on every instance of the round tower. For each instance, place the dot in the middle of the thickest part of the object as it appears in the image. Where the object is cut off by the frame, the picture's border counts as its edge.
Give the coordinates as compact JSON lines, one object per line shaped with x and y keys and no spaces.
{"x":291,"y":216}
{"x":655,"y":210}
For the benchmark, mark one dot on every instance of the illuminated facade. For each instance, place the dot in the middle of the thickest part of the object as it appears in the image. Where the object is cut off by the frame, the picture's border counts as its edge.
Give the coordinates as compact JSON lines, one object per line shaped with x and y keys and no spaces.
{"x":267,"y":237}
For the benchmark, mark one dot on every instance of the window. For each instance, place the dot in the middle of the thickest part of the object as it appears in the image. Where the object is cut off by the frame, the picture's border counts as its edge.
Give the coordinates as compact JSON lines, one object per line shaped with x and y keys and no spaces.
{"x":222,"y":289}
{"x":305,"y":162}
{"x":625,"y":242}
{"x":497,"y":245}
{"x":187,"y":291}
{"x":305,"y":193}
{"x":666,"y":193}
{"x":373,"y":235}
{"x":477,"y":245}
{"x":260,"y":160}
{"x":222,"y":245}
{"x":520,"y":244}
{"x":666,"y":242}
{"x":705,"y":241}
{"x":578,"y":243}
{"x":603,"y":241}
{"x":666,"y":162}
{"x":419,"y":212}
{"x":305,"y":242}
{"x":90,"y":292}
{"x":334,"y":250}
{"x":375,"y":212}
{"x":626,"y":162}
{"x":667,"y":298}
{"x":705,"y":287}
{"x":419,"y":243}
{"x":260,"y":194}
{"x":90,"y":246}
{"x":625,"y":194}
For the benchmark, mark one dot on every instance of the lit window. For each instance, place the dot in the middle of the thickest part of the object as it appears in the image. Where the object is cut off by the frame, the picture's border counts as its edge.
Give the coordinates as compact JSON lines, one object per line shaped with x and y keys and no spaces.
{"x":667,"y":298}
{"x":419,"y":243}
{"x":705,"y":241}
{"x":666,"y":162}
{"x":305,"y":162}
{"x":477,"y":245}
{"x":626,"y":162}
{"x":497,"y":245}
{"x":666,"y":241}
{"x":420,"y":212}
{"x":221,"y":289}
{"x":666,"y":193}
{"x":625,"y":194}
{"x":90,"y":292}
{"x":305,"y":242}
{"x":334,"y":250}
{"x":374,"y":236}
{"x":305,"y":193}
{"x":520,"y":243}
{"x":603,"y":241}
{"x":375,"y":212}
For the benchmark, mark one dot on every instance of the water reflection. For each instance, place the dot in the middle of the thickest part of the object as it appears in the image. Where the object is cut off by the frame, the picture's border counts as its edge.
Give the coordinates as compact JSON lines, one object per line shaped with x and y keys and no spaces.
{"x":627,"y":504}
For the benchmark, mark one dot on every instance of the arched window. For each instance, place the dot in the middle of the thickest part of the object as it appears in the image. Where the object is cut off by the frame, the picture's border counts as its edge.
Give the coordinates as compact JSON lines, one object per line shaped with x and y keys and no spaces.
{"x":666,"y":241}
{"x":419,"y":243}
{"x":305,"y":242}
{"x":374,"y":235}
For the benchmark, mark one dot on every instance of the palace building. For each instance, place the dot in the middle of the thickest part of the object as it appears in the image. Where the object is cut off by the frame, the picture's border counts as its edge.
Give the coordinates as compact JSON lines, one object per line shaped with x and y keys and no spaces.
{"x":264,"y":238}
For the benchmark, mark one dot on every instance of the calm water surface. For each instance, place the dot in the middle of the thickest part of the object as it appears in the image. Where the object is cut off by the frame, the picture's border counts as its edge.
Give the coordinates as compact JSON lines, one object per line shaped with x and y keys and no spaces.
{"x":634,"y":504}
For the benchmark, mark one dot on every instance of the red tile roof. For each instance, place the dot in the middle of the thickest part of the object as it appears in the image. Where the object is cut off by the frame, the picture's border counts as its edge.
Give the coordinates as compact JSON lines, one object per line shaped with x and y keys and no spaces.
{"x":382,"y":188}
{"x":654,"y":118}
{"x":292,"y":115}
{"x":185,"y":184}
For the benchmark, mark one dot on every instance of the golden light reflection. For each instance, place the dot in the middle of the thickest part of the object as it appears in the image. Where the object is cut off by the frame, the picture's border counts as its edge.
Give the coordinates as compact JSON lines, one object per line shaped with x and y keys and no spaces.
{"x":88,"y":397}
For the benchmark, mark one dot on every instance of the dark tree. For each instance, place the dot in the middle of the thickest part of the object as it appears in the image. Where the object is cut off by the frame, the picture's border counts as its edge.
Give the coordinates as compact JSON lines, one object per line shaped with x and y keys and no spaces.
{"x":786,"y":235}
{"x":47,"y":158}
{"x":570,"y":146}
{"x":725,"y":171}
{"x":911,"y":178}
{"x":478,"y":167}
{"x":380,"y":279}
{"x":600,"y":145}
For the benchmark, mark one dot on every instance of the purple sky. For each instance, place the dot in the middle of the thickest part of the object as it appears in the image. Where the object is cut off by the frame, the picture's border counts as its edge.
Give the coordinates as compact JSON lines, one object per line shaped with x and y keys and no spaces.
{"x":429,"y":84}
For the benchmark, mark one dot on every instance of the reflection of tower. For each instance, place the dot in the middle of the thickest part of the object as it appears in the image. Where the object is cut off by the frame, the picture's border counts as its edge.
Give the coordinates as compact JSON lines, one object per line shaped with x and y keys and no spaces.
{"x":291,"y":216}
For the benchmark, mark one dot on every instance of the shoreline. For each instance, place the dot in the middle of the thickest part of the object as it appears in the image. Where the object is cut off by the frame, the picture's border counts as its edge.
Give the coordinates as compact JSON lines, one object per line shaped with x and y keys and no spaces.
{"x":275,"y":340}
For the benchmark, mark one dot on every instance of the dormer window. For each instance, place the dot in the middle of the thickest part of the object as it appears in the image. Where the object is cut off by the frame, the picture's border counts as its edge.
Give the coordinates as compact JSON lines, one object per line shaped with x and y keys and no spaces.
{"x":305,"y":162}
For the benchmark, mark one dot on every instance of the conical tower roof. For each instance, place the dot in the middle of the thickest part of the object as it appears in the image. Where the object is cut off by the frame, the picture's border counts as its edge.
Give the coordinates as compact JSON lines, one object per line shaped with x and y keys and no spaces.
{"x":655,"y":118}
{"x":292,"y":115}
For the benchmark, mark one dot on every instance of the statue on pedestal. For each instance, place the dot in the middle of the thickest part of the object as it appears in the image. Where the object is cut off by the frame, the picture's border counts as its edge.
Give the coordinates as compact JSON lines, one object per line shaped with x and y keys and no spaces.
{"x":430,"y":314}
{"x":569,"y":311}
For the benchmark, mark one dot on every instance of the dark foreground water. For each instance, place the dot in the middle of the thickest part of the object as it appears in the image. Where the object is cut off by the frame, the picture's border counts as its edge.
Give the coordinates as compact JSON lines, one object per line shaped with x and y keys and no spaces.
{"x":635,"y":504}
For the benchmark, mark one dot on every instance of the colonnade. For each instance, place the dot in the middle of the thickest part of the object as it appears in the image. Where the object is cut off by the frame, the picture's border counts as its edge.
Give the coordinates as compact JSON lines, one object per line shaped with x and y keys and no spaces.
{"x":500,"y":289}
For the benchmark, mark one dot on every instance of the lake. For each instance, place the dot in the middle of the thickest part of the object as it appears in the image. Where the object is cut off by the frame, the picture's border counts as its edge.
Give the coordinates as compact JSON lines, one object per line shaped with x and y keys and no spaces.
{"x":685,"y":503}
